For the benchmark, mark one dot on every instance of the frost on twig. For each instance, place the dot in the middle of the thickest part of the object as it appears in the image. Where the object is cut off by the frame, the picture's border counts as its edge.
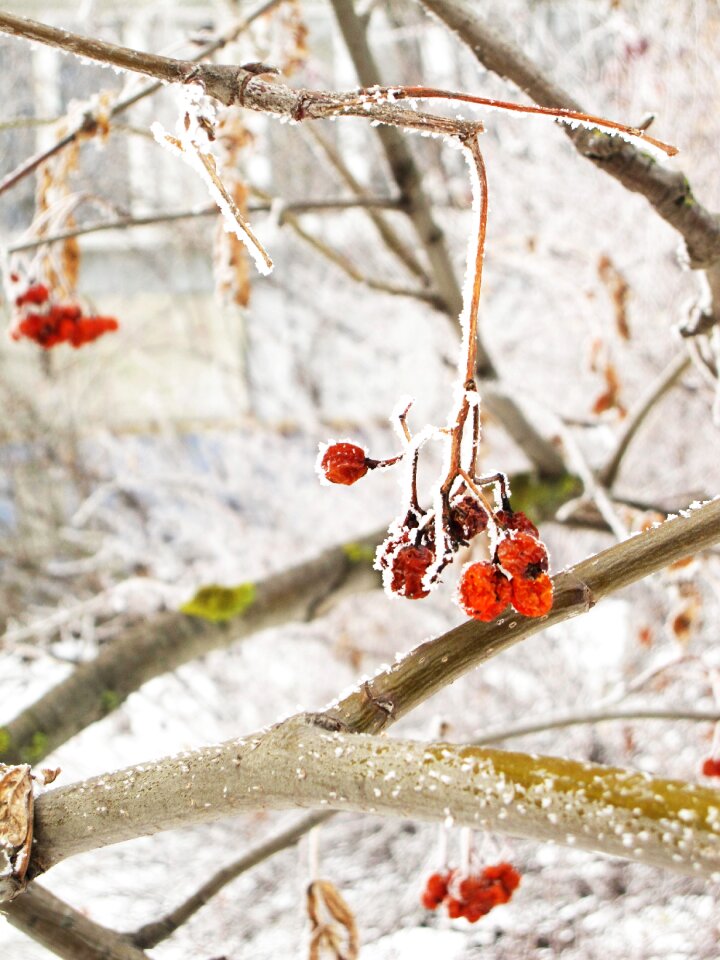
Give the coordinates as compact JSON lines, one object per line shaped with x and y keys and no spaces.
{"x":195,"y":134}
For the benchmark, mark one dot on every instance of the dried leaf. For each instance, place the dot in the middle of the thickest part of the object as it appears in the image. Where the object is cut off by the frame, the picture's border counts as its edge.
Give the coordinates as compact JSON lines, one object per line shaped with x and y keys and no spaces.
{"x":332,"y":921}
{"x":619,"y":290}
{"x":16,"y":820}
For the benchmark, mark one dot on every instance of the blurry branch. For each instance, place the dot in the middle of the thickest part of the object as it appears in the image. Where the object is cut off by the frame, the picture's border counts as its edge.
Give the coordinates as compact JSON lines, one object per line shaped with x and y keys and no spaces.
{"x":349,"y":268}
{"x":388,"y":235}
{"x":312,"y":761}
{"x":299,"y":764}
{"x":121,"y":223}
{"x":230,"y":85}
{"x":159,"y":645}
{"x":99,"y":686}
{"x":65,"y":931}
{"x":403,"y":168}
{"x":655,"y":392}
{"x":158,"y":930}
{"x":592,"y":717}
{"x":667,"y":190}
{"x":153,"y":933}
{"x":88,"y":124}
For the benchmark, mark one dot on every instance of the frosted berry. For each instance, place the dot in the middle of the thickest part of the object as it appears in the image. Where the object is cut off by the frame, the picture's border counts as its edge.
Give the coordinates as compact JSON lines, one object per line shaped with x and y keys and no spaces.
{"x":711,"y":767}
{"x":484,"y":591}
{"x":467,"y":518}
{"x":38,"y":293}
{"x":516,"y":520}
{"x":532,"y":598}
{"x":344,"y":463}
{"x":521,"y":555}
{"x":408,"y":568}
{"x":506,"y":874}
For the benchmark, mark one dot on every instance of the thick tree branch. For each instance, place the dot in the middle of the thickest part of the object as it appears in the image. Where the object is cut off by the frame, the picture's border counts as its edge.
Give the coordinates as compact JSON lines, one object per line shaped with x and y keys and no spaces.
{"x":663,"y":823}
{"x":249,"y":774}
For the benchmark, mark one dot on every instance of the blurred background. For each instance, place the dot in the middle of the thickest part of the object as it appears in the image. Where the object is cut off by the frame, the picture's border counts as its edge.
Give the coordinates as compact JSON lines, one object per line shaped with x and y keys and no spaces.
{"x":179,"y":451}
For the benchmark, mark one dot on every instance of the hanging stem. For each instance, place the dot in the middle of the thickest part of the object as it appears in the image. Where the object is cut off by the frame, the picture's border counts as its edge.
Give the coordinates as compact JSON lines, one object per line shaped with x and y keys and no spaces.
{"x":471,"y":326}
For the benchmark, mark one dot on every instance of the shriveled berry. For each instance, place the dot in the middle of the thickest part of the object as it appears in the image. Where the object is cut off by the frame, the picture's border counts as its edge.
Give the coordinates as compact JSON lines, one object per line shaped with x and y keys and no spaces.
{"x":408,"y":568}
{"x":467,"y":518}
{"x":532,"y":598}
{"x":711,"y":767}
{"x":521,"y":555}
{"x":484,"y":591}
{"x":344,"y":463}
{"x":516,"y":520}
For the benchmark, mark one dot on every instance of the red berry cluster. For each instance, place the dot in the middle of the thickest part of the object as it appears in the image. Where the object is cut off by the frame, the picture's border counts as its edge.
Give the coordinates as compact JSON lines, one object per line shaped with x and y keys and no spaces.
{"x":54,"y":323}
{"x":411,"y":562}
{"x":711,"y":767}
{"x":474,"y":896}
{"x":517,"y":574}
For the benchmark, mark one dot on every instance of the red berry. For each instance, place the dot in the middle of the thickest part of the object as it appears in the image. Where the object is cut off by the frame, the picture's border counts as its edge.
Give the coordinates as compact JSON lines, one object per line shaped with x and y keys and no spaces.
{"x":484,"y":591}
{"x":711,"y":767}
{"x":408,"y":568}
{"x":435,"y":891}
{"x":344,"y":463}
{"x":532,"y":598}
{"x":467,"y":518}
{"x":521,"y":555}
{"x":516,"y":520}
{"x":38,"y":293}
{"x":455,"y":908}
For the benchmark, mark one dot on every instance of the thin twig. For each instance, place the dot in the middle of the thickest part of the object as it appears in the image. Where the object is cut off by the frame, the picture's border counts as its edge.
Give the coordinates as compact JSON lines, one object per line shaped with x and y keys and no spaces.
{"x":667,"y":379}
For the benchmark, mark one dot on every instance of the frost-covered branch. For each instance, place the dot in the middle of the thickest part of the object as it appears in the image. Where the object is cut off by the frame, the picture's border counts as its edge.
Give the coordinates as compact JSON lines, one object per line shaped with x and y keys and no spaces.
{"x":123,"y":223}
{"x":88,"y":123}
{"x":666,"y":189}
{"x":659,"y":822}
{"x":252,"y":774}
{"x":99,"y":686}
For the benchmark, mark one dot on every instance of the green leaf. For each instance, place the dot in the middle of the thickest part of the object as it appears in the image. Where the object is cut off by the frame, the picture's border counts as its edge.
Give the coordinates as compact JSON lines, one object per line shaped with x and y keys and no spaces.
{"x":217,"y":603}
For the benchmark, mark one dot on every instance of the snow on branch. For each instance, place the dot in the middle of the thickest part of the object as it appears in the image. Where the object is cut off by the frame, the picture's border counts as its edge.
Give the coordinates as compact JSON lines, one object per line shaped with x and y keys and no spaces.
{"x":660,"y":822}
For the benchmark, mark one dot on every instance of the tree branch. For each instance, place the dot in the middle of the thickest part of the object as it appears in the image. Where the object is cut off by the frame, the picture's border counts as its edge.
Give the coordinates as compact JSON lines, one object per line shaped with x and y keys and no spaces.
{"x":65,"y":931}
{"x":158,"y":930}
{"x":663,"y":823}
{"x":99,"y":686}
{"x":285,"y":767}
{"x":122,"y":223}
{"x":655,"y":392}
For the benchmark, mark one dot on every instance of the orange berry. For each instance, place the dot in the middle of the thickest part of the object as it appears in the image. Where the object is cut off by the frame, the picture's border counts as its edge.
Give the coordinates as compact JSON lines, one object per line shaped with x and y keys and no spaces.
{"x":408,"y":568}
{"x":521,"y":555}
{"x":483,"y":592}
{"x":532,"y":598}
{"x":344,"y":463}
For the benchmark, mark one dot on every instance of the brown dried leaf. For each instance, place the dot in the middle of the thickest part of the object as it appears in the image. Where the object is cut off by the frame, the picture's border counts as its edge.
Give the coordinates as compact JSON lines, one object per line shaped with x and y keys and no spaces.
{"x":619,"y":290}
{"x":327,"y":935}
{"x":16,"y":821}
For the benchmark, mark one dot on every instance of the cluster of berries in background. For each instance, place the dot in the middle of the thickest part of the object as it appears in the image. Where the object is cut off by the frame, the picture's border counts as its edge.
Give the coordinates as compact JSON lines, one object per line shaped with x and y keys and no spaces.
{"x":711,"y":767}
{"x":411,"y":561}
{"x":40,"y":318}
{"x":473,"y":896}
